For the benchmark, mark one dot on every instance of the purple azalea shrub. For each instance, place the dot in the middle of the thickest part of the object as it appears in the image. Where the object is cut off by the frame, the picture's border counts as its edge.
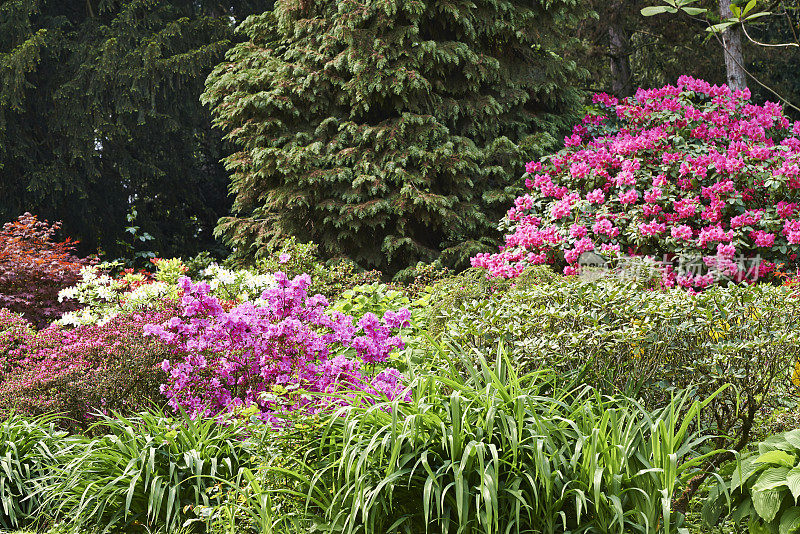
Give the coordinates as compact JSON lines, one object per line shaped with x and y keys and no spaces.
{"x":286,"y":351}
{"x":692,"y":174}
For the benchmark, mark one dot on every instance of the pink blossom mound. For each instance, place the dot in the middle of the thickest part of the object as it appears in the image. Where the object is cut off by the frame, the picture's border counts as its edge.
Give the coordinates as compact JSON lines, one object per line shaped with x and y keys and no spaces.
{"x":687,"y":174}
{"x":285,"y":352}
{"x":79,"y":371}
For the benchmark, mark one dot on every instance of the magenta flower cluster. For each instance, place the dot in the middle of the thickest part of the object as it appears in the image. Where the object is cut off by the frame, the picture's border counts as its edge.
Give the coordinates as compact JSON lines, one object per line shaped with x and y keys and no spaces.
{"x":285,"y":351}
{"x":685,"y":171}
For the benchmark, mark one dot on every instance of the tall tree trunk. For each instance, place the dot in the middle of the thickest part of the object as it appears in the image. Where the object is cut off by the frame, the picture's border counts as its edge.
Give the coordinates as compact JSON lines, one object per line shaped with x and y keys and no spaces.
{"x":620,"y":53}
{"x":732,"y":47}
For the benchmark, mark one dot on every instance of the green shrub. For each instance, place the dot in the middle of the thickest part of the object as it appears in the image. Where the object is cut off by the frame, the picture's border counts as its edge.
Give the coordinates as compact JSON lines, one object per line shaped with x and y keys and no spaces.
{"x":146,"y":472}
{"x":471,"y":287}
{"x":761,"y":488}
{"x":197,"y":263}
{"x":371,"y":298}
{"x":493,"y":452}
{"x":330,"y":278}
{"x":646,"y":343}
{"x":419,"y":278}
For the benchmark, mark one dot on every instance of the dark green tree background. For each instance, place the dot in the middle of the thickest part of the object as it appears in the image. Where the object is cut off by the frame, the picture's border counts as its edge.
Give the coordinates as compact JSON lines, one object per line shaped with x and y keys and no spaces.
{"x":99,"y":113}
{"x":390,"y":131}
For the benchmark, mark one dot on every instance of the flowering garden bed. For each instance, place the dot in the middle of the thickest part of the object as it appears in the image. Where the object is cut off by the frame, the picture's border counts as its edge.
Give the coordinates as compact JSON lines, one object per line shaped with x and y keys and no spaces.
{"x":290,"y":395}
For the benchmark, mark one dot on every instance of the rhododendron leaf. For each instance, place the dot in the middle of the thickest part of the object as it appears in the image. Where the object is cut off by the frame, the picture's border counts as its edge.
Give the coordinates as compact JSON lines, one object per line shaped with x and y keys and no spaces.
{"x":649,"y":11}
{"x":694,"y":10}
{"x":758,"y":15}
{"x":718,"y":28}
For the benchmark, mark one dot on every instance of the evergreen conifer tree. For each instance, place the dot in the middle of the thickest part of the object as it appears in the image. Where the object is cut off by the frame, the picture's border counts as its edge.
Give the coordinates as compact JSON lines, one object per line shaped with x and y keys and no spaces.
{"x":99,"y":113}
{"x":389,"y":131}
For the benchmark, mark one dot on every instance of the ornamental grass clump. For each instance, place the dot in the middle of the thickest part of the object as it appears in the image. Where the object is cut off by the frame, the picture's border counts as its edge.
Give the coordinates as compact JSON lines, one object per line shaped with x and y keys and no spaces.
{"x":481,"y":449}
{"x":693,"y":175}
{"x":284,"y":351}
{"x":30,"y":450}
{"x":145,"y":473}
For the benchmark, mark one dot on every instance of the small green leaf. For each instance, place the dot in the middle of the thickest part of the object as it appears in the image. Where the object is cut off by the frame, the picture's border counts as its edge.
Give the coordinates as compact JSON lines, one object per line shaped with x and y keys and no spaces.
{"x":721,"y":27}
{"x":759,"y":15}
{"x":694,"y":10}
{"x":655,"y":10}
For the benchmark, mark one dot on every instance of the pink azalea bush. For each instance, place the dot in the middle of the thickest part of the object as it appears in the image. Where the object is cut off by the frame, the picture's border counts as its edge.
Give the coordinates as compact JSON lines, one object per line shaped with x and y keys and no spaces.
{"x":79,"y":371}
{"x":15,"y":330}
{"x":285,"y":351}
{"x":689,"y":173}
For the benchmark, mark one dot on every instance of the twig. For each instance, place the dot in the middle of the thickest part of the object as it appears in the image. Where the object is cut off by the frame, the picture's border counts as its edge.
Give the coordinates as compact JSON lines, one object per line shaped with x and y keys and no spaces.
{"x":744,"y":29}
{"x":759,"y":82}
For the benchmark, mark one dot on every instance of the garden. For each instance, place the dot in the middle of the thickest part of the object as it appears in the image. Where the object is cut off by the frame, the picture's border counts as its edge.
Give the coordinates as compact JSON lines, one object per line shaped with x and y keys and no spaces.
{"x":475,"y":299}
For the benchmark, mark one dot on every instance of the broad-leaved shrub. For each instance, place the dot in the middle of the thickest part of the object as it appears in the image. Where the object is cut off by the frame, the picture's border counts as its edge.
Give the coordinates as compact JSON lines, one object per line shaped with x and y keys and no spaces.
{"x":761,"y":489}
{"x":693,"y":175}
{"x":645,"y":343}
{"x":34,"y":267}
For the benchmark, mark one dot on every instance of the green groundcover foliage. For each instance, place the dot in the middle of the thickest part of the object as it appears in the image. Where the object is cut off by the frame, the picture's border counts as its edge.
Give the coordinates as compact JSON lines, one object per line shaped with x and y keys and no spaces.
{"x":389,"y":131}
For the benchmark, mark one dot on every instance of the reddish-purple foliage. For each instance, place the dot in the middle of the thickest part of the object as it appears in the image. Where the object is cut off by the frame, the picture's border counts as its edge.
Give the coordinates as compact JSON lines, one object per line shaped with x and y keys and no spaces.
{"x":274,"y":353}
{"x":694,"y":174}
{"x":34,"y":268}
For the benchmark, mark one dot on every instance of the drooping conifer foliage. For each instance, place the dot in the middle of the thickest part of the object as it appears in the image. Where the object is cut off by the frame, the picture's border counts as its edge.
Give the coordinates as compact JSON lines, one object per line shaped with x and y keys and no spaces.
{"x":388,"y":130}
{"x":99,"y":113}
